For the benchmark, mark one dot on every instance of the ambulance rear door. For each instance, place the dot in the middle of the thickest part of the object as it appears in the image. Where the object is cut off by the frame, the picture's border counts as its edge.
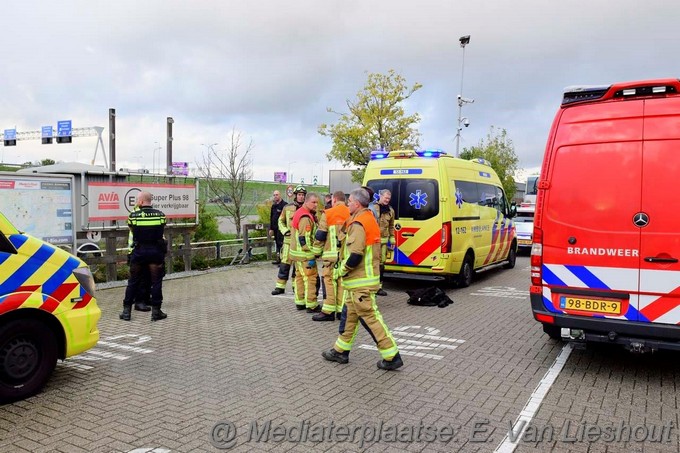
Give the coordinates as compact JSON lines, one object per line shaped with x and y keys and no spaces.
{"x":659,"y":216}
{"x":414,"y":183}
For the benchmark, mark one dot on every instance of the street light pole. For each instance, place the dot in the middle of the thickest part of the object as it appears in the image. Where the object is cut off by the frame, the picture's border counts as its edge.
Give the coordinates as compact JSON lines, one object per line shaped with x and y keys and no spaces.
{"x":289,"y":175}
{"x":464,"y":40}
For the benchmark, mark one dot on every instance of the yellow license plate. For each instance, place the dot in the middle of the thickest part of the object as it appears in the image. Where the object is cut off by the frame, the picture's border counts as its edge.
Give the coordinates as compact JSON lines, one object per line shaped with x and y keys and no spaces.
{"x":610,"y":307}
{"x":524,"y":242}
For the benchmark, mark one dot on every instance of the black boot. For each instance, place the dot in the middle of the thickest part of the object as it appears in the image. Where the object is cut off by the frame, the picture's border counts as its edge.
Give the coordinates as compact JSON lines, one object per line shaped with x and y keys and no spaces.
{"x":334,"y":356}
{"x":381,"y":292}
{"x":157,"y":314}
{"x":127,"y":313}
{"x":324,"y":317}
{"x":393,"y":364}
{"x":141,"y":306}
{"x":316,"y":309}
{"x":278,"y":291}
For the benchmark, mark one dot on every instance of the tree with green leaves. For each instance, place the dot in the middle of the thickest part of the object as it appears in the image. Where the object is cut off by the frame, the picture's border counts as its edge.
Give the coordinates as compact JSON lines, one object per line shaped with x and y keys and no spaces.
{"x":376,"y":120}
{"x":45,"y":162}
{"x":499,"y":150}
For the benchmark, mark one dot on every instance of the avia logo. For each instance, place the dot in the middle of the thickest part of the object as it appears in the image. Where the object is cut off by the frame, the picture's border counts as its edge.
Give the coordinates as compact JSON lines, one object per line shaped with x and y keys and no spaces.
{"x":108,"y":201}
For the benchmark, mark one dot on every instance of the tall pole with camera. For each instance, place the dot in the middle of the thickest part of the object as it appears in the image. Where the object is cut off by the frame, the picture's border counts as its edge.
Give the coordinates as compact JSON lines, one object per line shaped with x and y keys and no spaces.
{"x":462,"y":121}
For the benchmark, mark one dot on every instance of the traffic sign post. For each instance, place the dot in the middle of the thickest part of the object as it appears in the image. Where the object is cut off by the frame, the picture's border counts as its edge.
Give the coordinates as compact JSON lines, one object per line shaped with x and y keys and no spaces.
{"x":10,"y":137}
{"x":64,"y":131}
{"x":47,"y":134}
{"x":289,"y":191}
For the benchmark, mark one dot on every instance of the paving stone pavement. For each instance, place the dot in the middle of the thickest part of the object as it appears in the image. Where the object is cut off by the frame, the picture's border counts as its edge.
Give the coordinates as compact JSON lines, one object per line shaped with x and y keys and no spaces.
{"x":231,"y":352}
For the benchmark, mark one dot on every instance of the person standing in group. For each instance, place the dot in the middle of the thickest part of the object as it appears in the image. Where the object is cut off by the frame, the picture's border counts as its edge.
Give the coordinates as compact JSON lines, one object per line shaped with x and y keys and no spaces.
{"x":306,"y":272}
{"x":359,"y":270}
{"x":142,"y":297}
{"x":327,"y":245}
{"x":328,"y":201}
{"x":149,"y":248}
{"x":385,"y":215}
{"x":277,"y":207}
{"x":284,"y":223}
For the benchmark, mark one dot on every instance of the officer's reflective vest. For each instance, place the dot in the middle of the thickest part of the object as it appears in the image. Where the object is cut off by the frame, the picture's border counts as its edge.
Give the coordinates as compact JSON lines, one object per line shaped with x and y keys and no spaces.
{"x":367,"y":273}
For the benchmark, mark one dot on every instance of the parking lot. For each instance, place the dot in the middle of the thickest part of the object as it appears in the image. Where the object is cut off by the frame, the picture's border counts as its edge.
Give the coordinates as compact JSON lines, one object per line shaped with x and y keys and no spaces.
{"x":236,"y":368}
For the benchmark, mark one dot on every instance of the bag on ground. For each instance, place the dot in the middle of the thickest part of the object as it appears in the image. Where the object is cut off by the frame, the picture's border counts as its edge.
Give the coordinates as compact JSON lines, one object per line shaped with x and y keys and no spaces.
{"x":428,"y":297}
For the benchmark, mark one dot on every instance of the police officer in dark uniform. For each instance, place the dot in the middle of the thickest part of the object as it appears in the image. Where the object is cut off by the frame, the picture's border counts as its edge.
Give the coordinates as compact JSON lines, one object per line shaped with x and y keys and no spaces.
{"x":149,"y":248}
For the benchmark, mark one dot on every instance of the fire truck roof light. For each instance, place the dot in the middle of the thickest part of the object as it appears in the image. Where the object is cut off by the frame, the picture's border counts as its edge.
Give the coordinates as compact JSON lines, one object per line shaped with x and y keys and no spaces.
{"x":659,"y":89}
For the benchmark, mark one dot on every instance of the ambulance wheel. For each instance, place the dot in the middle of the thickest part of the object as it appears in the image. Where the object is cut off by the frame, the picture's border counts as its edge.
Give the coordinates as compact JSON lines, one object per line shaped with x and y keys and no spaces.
{"x":28,"y":355}
{"x":512,"y":257}
{"x":466,"y":271}
{"x":553,"y":332}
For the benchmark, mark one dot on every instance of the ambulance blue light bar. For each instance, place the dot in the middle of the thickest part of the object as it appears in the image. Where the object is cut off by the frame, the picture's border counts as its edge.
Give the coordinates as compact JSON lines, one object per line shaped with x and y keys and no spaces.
{"x":430,"y":153}
{"x":379,"y":154}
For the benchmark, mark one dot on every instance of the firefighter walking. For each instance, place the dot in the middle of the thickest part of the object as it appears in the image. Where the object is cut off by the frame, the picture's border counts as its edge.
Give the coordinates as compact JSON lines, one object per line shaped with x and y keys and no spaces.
{"x":327,"y":245}
{"x":360,"y":269}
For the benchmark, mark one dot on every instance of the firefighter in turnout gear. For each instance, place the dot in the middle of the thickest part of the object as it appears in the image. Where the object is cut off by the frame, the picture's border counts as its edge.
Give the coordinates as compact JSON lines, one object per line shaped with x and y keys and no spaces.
{"x":149,"y":248}
{"x":385,"y":215}
{"x":327,"y":245}
{"x":285,"y":221}
{"x":359,"y":269}
{"x":302,"y":236}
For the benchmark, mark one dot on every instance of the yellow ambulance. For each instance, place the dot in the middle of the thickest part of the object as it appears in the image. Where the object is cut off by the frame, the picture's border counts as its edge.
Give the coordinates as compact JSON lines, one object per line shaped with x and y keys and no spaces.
{"x":47,"y":311}
{"x":452,"y":217}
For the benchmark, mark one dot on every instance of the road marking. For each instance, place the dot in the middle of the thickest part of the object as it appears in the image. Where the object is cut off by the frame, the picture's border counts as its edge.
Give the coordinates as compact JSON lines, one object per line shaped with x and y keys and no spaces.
{"x":409,"y":347}
{"x":150,"y":450}
{"x":502,"y":291}
{"x":108,"y":355}
{"x":125,"y":347}
{"x":535,"y":400}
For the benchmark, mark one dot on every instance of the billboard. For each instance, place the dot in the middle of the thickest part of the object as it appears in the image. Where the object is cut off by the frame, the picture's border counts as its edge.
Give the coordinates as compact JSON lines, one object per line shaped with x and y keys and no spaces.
{"x":280,"y":176}
{"x":115,"y":201}
{"x":40,"y":205}
{"x":180,"y":168}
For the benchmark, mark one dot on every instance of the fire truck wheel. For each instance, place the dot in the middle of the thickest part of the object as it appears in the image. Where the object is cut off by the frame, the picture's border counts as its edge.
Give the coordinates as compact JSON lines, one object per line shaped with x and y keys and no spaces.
{"x":28,"y":355}
{"x":466,"y":271}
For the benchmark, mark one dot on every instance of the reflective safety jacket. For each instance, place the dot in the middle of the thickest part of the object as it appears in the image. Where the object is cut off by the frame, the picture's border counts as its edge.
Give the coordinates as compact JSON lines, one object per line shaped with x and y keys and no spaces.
{"x":330,"y":227}
{"x":302,"y":232}
{"x":363,"y":238}
{"x":385,"y":218}
{"x":285,"y":220}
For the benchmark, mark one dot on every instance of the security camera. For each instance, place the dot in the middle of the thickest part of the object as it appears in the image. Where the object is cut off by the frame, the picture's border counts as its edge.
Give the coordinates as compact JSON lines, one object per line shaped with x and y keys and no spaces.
{"x":459,"y":96}
{"x":466,"y":122}
{"x":464,"y":40}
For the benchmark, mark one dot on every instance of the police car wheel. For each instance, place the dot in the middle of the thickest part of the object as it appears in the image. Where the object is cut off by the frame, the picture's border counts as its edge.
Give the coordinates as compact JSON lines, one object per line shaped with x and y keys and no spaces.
{"x":466,"y":271}
{"x":512,"y":257}
{"x":28,"y":355}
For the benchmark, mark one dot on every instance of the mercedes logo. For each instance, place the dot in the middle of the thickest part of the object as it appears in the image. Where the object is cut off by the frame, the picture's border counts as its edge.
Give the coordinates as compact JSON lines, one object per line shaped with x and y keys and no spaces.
{"x":641,"y":220}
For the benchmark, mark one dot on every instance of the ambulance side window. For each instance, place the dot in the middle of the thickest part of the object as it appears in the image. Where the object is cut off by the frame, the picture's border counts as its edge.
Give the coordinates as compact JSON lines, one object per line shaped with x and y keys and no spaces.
{"x":468,"y":191}
{"x":6,"y":246}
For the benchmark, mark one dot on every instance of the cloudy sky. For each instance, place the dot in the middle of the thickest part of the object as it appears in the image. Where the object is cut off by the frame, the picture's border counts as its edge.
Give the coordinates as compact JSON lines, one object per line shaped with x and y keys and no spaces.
{"x":270,"y":68}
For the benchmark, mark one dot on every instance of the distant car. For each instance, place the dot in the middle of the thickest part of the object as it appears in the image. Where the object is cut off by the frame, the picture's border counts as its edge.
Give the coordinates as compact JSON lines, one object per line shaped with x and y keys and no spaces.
{"x":524,"y":224}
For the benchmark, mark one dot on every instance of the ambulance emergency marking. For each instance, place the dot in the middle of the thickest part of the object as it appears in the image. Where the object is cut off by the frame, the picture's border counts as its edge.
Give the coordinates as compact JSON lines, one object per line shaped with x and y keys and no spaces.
{"x":451,"y":215}
{"x":47,"y":311}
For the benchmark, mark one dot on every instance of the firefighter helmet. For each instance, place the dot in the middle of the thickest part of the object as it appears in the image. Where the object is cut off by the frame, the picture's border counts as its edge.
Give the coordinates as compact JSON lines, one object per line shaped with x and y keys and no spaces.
{"x":299,"y":189}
